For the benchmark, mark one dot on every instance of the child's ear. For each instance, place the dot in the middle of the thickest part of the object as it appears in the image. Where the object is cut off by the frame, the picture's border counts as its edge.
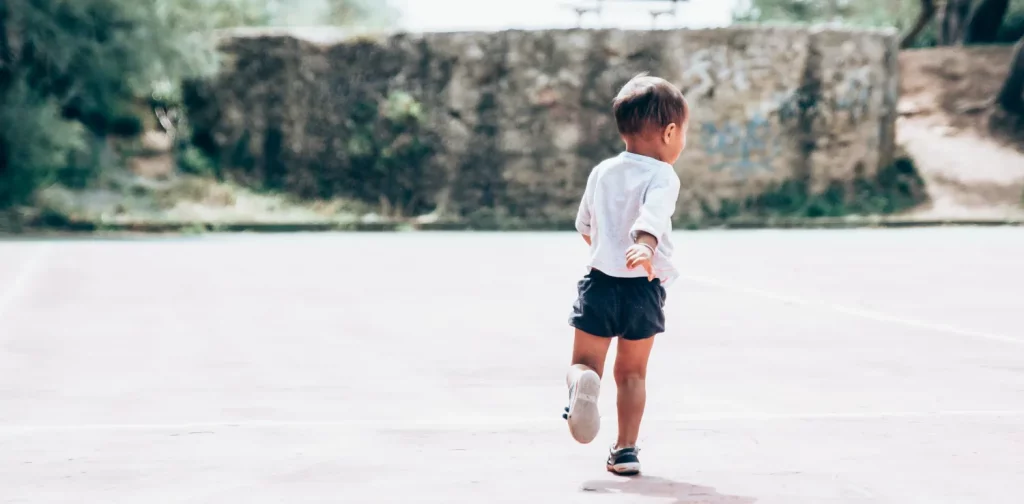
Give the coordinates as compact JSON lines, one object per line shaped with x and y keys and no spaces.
{"x":670,"y":131}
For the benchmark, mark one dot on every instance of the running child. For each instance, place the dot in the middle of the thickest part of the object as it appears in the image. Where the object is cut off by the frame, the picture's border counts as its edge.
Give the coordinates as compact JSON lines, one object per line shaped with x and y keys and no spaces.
{"x":626,"y":219}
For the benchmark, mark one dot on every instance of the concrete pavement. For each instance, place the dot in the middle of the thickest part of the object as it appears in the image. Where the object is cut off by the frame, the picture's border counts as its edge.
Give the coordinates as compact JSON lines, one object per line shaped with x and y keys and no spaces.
{"x":861,"y":366}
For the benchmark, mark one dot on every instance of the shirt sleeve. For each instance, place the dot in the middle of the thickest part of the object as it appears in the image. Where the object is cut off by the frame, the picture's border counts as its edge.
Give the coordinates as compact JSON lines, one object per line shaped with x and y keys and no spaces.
{"x":658,"y":207}
{"x":584,"y":214}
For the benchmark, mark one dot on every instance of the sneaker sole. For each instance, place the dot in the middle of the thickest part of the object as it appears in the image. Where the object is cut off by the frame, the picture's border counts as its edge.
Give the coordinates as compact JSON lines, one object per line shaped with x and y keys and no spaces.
{"x":584,"y":418}
{"x":629,"y":469}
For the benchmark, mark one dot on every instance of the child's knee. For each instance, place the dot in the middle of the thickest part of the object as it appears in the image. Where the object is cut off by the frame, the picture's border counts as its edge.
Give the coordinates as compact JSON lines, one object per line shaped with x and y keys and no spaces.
{"x":629,"y":377}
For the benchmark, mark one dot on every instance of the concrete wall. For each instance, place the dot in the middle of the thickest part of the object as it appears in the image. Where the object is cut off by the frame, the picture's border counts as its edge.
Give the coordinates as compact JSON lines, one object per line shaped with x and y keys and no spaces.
{"x":511,"y":123}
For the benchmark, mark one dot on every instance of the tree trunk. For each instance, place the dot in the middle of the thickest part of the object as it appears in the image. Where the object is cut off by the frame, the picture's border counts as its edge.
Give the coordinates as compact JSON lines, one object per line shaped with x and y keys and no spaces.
{"x":923,"y":18}
{"x":1011,"y":96}
{"x":11,"y":44}
{"x":6,"y":56}
{"x":954,"y":22}
{"x":6,"y":71}
{"x":985,"y":20}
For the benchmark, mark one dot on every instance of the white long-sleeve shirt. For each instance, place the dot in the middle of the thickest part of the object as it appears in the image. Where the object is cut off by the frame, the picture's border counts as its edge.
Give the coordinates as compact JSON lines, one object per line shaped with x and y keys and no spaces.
{"x":624,"y":195}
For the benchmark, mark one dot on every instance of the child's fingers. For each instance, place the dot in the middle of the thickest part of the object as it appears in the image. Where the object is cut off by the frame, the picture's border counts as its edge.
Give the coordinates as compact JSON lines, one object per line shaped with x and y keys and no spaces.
{"x":634,"y":261}
{"x":635,"y":258}
{"x":631,"y":259}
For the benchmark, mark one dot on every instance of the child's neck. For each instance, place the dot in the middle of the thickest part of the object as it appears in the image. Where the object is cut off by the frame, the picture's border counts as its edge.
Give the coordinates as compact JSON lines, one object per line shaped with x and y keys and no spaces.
{"x":640,"y":149}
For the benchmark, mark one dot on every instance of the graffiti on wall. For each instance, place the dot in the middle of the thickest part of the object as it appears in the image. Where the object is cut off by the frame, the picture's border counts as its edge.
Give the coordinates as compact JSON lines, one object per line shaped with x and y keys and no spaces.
{"x":743,"y":148}
{"x":749,"y":146}
{"x":851,"y":99}
{"x":720,"y":65}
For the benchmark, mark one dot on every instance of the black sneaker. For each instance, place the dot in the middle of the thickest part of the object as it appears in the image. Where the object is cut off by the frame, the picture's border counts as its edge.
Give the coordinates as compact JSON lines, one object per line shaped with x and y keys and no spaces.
{"x":624,"y":461}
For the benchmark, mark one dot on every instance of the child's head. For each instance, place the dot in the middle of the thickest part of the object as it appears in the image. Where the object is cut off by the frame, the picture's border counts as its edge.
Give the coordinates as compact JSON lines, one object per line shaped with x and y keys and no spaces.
{"x":652,"y":117}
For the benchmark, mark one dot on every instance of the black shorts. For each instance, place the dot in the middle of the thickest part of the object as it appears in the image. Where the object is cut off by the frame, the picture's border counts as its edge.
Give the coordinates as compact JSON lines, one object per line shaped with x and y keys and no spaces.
{"x":607,"y":306}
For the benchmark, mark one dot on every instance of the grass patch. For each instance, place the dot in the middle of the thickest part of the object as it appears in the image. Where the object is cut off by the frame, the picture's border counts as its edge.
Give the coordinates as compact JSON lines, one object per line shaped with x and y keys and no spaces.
{"x":896,"y":188}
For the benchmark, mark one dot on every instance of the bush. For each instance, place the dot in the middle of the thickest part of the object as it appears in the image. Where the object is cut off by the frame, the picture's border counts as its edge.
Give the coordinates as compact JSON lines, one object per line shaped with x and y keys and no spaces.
{"x":871,"y":13}
{"x":69,"y":72}
{"x":36,"y":144}
{"x":393,"y":150}
{"x":194,"y":161}
{"x":895,"y":188}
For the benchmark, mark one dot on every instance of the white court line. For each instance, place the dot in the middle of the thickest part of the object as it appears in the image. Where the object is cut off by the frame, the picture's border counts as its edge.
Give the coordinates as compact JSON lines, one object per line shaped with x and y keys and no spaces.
{"x":506,"y":422}
{"x":15,"y":289}
{"x":856,"y":312}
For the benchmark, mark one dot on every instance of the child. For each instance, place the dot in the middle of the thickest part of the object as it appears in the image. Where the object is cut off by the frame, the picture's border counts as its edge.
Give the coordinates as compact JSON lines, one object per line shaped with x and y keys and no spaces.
{"x":626,"y":217}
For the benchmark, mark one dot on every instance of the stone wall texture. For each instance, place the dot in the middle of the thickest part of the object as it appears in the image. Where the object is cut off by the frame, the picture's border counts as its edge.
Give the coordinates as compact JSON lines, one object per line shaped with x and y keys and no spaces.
{"x":509,"y":124}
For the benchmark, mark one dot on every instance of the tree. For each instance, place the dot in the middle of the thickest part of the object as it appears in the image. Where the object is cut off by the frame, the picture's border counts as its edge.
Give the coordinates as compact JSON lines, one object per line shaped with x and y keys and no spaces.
{"x":953,"y":21}
{"x":960,"y":21}
{"x":71,"y":71}
{"x":799,"y":11}
{"x":366,"y":12}
{"x":924,"y":17}
{"x":68,"y":62}
{"x":985,"y":20}
{"x":1011,"y":94}
{"x":231,"y":13}
{"x":900,"y":14}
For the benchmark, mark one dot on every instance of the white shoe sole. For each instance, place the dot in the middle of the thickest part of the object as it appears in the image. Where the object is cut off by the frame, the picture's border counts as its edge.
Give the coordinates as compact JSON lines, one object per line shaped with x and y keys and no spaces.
{"x":584,"y":418}
{"x":629,"y":469}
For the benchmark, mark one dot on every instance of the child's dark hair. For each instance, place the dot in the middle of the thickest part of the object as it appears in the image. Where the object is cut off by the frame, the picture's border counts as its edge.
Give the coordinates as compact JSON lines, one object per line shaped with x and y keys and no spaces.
{"x":647,"y":102}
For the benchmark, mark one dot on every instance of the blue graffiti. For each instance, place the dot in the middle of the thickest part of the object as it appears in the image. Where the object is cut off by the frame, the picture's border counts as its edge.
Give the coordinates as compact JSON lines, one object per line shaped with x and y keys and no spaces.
{"x":789,"y":108}
{"x":854,"y":98}
{"x":857,"y":98}
{"x":855,"y":101}
{"x":744,"y":148}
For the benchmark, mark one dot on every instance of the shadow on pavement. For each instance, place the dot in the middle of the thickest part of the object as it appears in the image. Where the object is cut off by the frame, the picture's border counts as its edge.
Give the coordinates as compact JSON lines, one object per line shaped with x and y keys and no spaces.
{"x":652,"y":486}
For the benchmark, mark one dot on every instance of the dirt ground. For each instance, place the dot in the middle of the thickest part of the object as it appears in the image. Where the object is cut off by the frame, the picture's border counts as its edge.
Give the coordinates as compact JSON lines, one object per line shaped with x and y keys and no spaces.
{"x":968,"y":153}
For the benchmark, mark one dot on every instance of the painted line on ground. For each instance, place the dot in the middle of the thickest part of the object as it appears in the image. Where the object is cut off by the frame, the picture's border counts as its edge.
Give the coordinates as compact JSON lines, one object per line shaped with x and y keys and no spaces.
{"x":483,"y":422}
{"x":854,"y":311}
{"x":17,"y":288}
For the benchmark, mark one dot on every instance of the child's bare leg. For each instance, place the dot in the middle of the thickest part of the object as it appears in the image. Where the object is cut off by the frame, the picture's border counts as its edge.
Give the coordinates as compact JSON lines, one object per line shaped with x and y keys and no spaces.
{"x":584,"y":382}
{"x":631,"y":380}
{"x":589,"y":352}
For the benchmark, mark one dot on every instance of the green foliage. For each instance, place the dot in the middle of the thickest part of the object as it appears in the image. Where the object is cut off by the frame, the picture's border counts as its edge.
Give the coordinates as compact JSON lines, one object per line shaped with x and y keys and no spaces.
{"x":92,"y":56}
{"x":70,"y":69}
{"x":238,"y":13}
{"x":69,"y":74}
{"x":1013,"y":24}
{"x":391,"y":146}
{"x":871,"y":13}
{"x":36,"y":144}
{"x":194,"y":161}
{"x":895,"y":188}
{"x":373,"y":13}
{"x":230,"y":13}
{"x":899,"y":14}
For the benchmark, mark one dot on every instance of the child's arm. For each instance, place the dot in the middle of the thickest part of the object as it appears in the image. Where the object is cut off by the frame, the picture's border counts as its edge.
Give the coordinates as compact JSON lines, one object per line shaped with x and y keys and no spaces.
{"x":656,"y":212}
{"x":654,"y":222}
{"x":645,"y":238}
{"x":583,"y":215}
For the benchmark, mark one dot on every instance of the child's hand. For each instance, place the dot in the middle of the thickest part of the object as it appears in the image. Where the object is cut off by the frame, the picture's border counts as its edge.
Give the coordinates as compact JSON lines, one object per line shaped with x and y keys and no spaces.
{"x":640,"y":255}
